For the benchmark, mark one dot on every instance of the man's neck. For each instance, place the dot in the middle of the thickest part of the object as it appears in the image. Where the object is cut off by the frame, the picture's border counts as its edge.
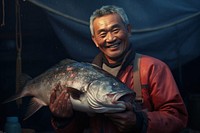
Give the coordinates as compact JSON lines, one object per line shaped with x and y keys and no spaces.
{"x":116,"y":61}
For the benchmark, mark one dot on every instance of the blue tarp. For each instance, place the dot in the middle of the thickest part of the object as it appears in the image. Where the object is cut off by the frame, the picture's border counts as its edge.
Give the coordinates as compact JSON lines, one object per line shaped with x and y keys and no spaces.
{"x":168,"y":30}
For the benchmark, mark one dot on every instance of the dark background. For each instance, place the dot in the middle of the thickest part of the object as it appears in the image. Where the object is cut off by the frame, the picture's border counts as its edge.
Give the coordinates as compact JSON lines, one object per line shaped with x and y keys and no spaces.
{"x":41,"y":48}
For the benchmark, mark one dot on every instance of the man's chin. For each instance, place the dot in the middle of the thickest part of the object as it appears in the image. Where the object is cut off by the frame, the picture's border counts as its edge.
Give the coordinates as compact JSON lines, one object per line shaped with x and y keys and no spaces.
{"x":115,"y":56}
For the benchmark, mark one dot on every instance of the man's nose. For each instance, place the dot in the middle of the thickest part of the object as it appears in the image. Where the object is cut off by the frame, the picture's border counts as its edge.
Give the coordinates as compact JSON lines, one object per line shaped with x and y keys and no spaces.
{"x":110,"y":37}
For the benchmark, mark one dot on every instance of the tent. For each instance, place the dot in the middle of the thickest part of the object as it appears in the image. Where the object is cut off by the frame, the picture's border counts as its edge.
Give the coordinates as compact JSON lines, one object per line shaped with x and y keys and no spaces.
{"x":166,"y":30}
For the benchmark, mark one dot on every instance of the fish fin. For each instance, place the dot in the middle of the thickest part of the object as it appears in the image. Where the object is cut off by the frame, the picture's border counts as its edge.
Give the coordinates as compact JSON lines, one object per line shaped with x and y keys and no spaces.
{"x":13,"y":98}
{"x":34,"y":106}
{"x":74,"y":93}
{"x":23,"y":79}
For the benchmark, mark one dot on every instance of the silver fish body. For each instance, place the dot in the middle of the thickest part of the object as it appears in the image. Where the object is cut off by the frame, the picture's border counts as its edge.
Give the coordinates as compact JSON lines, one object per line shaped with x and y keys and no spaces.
{"x":100,"y":91}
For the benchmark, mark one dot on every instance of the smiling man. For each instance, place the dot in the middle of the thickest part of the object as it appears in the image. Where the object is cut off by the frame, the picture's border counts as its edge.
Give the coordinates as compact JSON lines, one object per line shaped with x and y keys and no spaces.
{"x":110,"y":35}
{"x":160,"y":107}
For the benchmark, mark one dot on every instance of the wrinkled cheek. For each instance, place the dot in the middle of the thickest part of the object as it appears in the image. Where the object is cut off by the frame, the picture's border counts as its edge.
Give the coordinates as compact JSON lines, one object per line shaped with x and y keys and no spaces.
{"x":100,"y":42}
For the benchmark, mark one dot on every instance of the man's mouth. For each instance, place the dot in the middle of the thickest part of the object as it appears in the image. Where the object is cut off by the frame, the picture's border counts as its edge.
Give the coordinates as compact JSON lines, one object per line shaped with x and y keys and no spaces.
{"x":114,"y":45}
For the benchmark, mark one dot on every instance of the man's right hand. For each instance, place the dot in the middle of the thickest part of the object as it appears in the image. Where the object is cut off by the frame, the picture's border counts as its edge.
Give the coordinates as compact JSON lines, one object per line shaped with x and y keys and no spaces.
{"x":60,"y":104}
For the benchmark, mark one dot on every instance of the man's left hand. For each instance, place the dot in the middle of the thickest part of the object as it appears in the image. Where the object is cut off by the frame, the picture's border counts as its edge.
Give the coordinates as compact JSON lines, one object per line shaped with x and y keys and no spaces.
{"x":124,"y":121}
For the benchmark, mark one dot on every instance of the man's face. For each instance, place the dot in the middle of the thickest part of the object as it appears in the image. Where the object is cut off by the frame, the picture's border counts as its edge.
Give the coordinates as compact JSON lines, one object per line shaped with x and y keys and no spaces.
{"x":111,"y":36}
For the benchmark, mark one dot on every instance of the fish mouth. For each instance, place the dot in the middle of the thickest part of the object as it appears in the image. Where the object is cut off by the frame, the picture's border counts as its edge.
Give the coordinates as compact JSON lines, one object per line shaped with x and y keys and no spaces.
{"x":126,"y":98}
{"x":115,"y":104}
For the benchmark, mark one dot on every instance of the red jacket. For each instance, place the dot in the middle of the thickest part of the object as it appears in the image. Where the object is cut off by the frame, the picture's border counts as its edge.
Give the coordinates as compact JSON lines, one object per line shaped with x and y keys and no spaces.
{"x":163,"y":105}
{"x":165,"y":108}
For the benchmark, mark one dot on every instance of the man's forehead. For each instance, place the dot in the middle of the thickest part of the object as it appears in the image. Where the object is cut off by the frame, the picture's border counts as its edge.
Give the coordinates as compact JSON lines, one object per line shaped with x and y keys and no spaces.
{"x":107,"y":20}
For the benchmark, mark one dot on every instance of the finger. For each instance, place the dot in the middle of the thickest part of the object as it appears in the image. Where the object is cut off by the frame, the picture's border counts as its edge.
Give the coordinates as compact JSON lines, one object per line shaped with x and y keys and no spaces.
{"x":114,"y":115}
{"x":60,"y":99}
{"x":57,"y":107}
{"x":52,"y":97}
{"x":114,"y":118}
{"x":58,"y":89}
{"x":67,"y":107}
{"x":54,"y":93}
{"x":117,"y":123}
{"x":70,"y":107}
{"x":64,"y":89}
{"x":66,"y":103}
{"x":129,"y":106}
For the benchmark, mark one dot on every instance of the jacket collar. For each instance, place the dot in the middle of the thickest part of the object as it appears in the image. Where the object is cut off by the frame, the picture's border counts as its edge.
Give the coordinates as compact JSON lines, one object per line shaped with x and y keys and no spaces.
{"x":126,"y":60}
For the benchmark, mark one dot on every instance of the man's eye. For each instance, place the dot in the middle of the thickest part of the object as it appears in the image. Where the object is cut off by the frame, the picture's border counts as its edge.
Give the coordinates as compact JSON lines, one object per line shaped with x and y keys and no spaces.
{"x":116,"y":30}
{"x":102,"y":34}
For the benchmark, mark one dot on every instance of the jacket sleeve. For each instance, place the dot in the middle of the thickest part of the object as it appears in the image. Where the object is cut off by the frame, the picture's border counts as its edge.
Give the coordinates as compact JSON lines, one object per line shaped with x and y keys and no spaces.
{"x":168,"y":114}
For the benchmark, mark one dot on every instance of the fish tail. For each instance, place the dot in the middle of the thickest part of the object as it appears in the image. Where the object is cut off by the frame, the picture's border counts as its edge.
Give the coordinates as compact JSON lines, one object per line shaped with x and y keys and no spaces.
{"x":14,"y":97}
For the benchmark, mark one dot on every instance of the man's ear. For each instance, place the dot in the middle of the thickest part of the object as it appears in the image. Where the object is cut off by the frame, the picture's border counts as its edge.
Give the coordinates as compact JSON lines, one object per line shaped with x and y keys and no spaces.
{"x":94,"y":40}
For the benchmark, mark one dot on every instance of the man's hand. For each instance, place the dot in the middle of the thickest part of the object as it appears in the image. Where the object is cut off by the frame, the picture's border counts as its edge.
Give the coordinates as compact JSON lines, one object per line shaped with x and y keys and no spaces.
{"x":60,"y":104}
{"x":124,"y":121}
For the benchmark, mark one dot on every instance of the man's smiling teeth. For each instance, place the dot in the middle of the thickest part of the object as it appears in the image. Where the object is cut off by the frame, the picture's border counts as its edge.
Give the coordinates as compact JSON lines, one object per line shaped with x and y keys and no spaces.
{"x":113,"y":45}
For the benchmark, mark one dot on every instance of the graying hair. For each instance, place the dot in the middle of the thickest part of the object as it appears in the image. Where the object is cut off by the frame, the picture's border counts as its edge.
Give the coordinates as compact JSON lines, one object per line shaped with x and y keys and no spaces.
{"x":105,"y":10}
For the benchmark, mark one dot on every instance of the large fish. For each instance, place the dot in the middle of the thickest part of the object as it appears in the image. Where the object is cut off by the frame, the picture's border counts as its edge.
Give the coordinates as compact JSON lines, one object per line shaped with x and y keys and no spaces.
{"x":91,"y":89}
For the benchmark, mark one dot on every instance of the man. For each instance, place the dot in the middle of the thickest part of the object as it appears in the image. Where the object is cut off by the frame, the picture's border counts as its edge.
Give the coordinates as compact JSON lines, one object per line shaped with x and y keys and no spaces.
{"x":161,"y":108}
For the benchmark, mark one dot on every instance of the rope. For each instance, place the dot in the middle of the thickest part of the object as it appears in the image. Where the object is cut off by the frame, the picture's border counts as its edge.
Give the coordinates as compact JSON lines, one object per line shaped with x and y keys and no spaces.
{"x":18,"y":50}
{"x":3,"y":14}
{"x":168,"y":25}
{"x":59,"y":13}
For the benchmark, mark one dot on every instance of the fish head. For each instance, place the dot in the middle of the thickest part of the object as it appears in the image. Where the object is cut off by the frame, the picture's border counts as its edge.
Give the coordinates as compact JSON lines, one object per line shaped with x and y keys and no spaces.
{"x":109,"y":95}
